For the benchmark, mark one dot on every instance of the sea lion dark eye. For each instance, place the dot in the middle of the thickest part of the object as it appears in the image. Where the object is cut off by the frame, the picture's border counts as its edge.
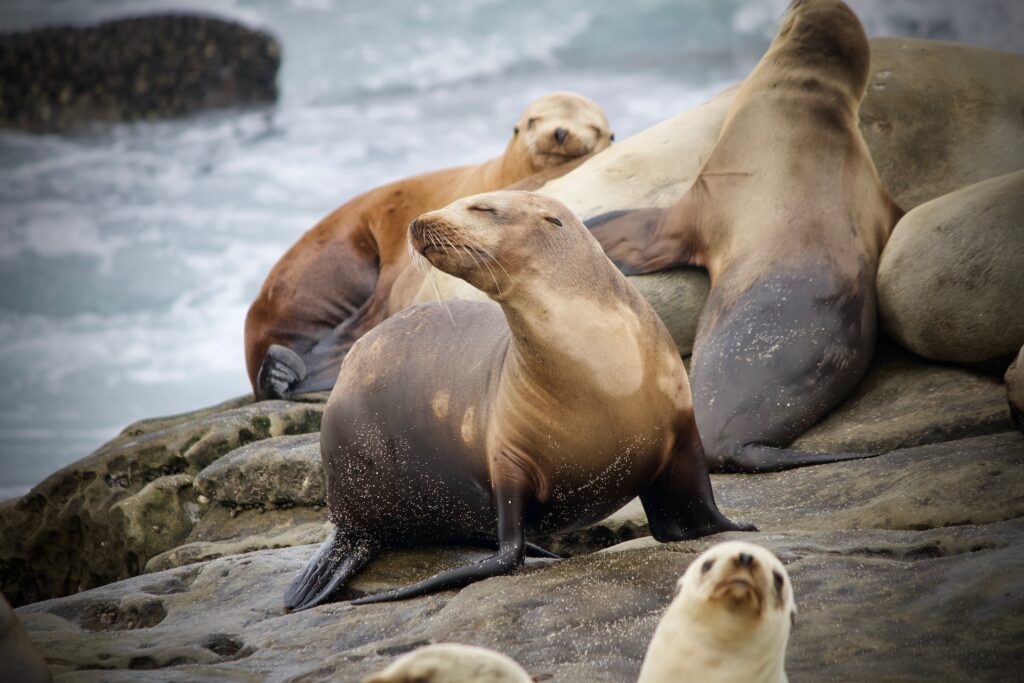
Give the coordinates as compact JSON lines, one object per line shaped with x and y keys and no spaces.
{"x":779,"y":582}
{"x":552,"y":219}
{"x":706,"y":567}
{"x":487,"y":209}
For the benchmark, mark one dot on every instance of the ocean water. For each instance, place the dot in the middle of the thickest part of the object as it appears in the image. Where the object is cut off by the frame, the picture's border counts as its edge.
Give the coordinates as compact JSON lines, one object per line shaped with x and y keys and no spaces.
{"x":128,"y":257}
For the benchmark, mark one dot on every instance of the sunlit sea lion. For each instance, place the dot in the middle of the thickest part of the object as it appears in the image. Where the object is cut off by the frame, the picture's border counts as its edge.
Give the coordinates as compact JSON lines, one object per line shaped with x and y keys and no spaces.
{"x":547,"y":412}
{"x":789,"y":218}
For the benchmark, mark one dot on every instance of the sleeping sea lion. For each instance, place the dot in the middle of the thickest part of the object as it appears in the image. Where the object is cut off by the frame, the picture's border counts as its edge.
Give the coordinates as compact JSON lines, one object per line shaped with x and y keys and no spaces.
{"x":333,"y":285}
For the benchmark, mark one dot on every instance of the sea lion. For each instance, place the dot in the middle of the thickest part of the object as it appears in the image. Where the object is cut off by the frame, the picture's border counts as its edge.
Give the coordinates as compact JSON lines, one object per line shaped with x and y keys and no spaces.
{"x":452,"y":663}
{"x":333,"y":285}
{"x":729,"y":621}
{"x":19,"y":659}
{"x":788,"y":217}
{"x":546,"y":412}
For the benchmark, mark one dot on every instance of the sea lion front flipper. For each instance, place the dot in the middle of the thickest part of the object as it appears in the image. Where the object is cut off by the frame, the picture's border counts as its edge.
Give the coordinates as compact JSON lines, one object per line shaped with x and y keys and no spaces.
{"x":640,"y":241}
{"x":337,"y":559}
{"x":510,"y":499}
{"x":756,"y":457}
{"x":679,"y":503}
{"x":280,"y":371}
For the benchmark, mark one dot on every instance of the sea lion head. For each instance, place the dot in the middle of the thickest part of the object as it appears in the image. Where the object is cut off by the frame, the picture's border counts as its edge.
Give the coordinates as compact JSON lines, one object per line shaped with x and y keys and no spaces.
{"x":451,"y":663}
{"x":738,"y":590}
{"x":828,"y":35}
{"x":497,"y":241}
{"x":558,"y":128}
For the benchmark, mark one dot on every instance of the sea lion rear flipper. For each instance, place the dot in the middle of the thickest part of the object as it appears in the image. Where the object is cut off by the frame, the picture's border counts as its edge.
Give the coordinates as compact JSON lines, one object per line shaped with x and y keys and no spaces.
{"x":510,"y":498}
{"x":280,"y":371}
{"x":337,"y":559}
{"x":755,"y":457}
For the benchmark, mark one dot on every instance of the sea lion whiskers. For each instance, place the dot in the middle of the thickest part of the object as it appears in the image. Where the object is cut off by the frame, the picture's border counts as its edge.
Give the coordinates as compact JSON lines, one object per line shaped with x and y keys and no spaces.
{"x":486,"y":252}
{"x":427,"y":270}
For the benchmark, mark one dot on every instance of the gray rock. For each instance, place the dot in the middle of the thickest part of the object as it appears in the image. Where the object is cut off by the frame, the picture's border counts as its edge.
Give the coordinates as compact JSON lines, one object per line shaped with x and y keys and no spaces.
{"x":1014,"y":379}
{"x":86,"y":524}
{"x":940,"y":116}
{"x":678,"y":297}
{"x":936,"y":605}
{"x":270,"y":472}
{"x":903,"y":401}
{"x":951,"y":278}
{"x":151,"y":67}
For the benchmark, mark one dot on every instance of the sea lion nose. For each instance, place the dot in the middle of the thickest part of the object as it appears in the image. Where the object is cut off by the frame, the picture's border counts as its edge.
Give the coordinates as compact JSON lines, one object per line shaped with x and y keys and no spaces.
{"x":745,"y":560}
{"x":560,"y":135}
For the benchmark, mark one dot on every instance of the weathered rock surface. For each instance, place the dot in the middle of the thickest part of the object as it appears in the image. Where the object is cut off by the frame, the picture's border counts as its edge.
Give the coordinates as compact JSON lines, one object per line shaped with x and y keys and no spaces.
{"x":62,"y":78}
{"x":903,"y":401}
{"x":951,"y":278}
{"x":1014,"y":379}
{"x":131,"y":499}
{"x":678,"y":297}
{"x":943,"y":604}
{"x":285,"y":470}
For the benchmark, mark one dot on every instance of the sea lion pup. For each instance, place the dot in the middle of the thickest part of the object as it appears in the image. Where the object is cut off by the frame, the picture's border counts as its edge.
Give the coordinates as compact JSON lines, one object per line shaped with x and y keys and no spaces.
{"x":546,"y":412}
{"x":452,"y":663}
{"x":789,"y":218}
{"x":729,"y":621}
{"x":333,"y":284}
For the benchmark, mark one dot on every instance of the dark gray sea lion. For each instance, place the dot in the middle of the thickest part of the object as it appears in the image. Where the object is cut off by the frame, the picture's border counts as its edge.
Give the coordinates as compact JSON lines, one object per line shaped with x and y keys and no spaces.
{"x":546,"y":412}
{"x":789,"y":218}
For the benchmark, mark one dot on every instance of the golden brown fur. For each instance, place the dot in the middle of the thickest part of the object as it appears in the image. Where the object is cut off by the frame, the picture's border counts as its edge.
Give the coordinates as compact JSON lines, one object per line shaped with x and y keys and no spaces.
{"x":333,"y":285}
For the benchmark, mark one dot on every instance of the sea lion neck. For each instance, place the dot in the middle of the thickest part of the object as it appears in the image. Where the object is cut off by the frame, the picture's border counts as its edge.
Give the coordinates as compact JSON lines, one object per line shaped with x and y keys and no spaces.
{"x":559,"y":328}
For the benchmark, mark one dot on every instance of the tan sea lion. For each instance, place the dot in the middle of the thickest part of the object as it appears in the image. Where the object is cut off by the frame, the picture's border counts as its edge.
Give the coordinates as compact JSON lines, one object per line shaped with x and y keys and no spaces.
{"x":729,"y":621}
{"x":492,"y":425}
{"x":452,"y":663}
{"x":333,"y":285}
{"x":789,"y":218}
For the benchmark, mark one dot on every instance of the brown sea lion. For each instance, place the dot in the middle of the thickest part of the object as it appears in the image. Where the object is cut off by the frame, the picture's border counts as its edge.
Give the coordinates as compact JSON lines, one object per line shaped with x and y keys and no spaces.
{"x":333,"y":285}
{"x":789,"y":218}
{"x":729,"y":621}
{"x":546,"y":412}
